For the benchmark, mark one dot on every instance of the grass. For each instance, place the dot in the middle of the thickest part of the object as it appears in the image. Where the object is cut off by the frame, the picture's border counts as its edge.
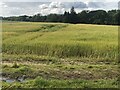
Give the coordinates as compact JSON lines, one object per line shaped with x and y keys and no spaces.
{"x":42,"y":83}
{"x":60,"y":55}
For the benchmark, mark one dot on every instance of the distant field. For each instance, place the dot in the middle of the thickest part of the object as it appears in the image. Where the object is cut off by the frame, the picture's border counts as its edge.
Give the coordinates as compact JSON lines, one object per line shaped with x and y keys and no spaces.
{"x":55,"y":55}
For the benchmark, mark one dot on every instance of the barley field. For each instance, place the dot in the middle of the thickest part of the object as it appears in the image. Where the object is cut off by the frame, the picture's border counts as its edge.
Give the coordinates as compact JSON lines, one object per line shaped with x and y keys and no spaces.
{"x":59,"y":55}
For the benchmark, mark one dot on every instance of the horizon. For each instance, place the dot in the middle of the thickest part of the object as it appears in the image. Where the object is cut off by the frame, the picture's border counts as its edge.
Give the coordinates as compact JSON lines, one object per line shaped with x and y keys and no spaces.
{"x":52,"y":13}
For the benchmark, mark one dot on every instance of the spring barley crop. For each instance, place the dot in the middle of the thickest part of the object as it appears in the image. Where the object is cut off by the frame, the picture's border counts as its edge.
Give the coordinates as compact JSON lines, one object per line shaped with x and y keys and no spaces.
{"x":68,"y":41}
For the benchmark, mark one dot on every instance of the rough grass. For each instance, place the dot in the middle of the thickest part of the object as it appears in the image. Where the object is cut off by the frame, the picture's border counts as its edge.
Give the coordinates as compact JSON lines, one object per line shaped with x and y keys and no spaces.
{"x":43,"y":83}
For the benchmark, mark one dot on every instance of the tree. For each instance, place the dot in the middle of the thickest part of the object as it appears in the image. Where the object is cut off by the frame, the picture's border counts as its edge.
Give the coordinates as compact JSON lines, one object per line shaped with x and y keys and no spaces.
{"x":36,"y":18}
{"x":116,"y":17}
{"x":83,"y":17}
{"x":97,"y":17}
{"x":72,"y":11}
{"x":111,"y":16}
{"x":52,"y":18}
{"x":66,"y":17}
{"x":73,"y":16}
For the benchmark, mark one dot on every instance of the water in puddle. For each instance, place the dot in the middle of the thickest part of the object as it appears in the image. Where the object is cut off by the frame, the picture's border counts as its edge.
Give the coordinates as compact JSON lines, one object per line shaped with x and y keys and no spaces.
{"x":8,"y":80}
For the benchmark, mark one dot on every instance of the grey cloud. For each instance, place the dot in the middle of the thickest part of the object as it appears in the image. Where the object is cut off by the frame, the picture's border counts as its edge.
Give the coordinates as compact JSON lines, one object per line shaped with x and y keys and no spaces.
{"x":75,"y":4}
{"x":119,"y":4}
{"x":26,"y":0}
{"x":20,"y":8}
{"x":24,"y":4}
{"x":16,"y":11}
{"x":103,"y":5}
{"x":96,"y":4}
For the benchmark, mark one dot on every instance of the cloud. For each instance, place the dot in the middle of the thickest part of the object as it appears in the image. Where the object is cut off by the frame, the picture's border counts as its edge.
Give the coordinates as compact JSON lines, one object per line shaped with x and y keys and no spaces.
{"x":43,"y":6}
{"x":75,"y":4}
{"x":24,"y":4}
{"x":103,"y":5}
{"x":60,"y":0}
{"x":96,"y":4}
{"x":53,"y":7}
{"x":60,"y":7}
{"x":119,"y":4}
{"x":3,"y":5}
{"x":56,"y":5}
{"x":57,"y":10}
{"x":31,"y":8}
{"x":26,"y":0}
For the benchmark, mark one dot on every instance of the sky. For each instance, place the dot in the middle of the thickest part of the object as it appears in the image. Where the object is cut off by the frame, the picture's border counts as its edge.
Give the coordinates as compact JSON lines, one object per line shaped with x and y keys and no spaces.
{"x":45,"y":7}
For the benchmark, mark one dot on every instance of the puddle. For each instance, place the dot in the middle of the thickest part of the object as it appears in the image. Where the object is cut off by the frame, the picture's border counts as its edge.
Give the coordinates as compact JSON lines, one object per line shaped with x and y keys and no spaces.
{"x":8,"y":80}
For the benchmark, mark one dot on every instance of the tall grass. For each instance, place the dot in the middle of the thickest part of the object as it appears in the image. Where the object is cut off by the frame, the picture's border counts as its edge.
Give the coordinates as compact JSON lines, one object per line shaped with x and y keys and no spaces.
{"x":90,"y":41}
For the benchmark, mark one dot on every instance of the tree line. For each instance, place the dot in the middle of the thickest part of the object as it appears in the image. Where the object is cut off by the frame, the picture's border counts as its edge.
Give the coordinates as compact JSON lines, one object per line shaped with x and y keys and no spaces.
{"x":110,"y":17}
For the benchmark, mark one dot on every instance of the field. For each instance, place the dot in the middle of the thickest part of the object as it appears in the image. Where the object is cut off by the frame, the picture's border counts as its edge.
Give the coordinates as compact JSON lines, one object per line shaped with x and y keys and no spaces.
{"x":59,"y":55}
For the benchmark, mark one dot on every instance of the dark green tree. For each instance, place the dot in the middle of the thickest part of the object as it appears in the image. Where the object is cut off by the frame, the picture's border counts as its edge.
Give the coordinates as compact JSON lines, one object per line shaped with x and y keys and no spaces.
{"x":52,"y":18}
{"x":83,"y":17}
{"x":66,"y":17}
{"x":73,"y":16}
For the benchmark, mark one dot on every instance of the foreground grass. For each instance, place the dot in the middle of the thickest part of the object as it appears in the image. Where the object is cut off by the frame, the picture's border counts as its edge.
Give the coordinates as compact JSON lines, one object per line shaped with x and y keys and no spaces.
{"x":60,"y":55}
{"x":43,"y":83}
{"x":59,"y":73}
